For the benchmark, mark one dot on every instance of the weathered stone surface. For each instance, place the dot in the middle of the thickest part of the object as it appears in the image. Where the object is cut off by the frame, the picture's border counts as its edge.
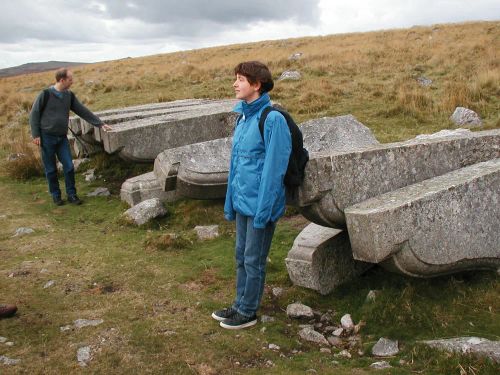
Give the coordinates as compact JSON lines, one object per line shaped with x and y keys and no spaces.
{"x":336,"y":180}
{"x":9,"y":361}
{"x":444,"y":224}
{"x":321,"y":259}
{"x":142,"y":140}
{"x":144,"y":187}
{"x":347,"y":323}
{"x":290,"y":74}
{"x":81,"y":323}
{"x":84,"y":356}
{"x":465,"y":117}
{"x":143,"y":212}
{"x":309,"y":334}
{"x":200,"y":170}
{"x":298,"y":310}
{"x":207,"y":232}
{"x":424,"y":81}
{"x":48,"y":284}
{"x":385,"y":348}
{"x":296,"y":56}
{"x":464,"y":345}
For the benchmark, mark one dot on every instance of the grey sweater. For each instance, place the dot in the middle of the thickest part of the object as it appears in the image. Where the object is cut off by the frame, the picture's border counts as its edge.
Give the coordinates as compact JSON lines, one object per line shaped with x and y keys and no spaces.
{"x":55,"y":117}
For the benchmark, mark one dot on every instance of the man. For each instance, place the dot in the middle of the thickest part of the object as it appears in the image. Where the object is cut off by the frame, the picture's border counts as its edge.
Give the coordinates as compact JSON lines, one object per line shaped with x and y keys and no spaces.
{"x":6,"y":311}
{"x":49,"y":119}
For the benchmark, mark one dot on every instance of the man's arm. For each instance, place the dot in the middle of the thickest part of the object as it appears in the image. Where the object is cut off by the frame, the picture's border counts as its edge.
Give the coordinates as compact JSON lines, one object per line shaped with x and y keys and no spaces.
{"x":87,"y":115}
{"x":35,"y":117}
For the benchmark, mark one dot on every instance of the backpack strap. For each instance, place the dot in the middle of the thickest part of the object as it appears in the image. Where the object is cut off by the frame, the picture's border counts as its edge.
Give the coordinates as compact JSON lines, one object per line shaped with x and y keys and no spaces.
{"x":263,"y":118}
{"x":46,"y":96}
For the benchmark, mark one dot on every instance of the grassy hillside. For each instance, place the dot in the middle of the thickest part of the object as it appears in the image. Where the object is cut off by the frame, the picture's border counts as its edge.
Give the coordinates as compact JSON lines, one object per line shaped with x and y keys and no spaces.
{"x":155,"y":290}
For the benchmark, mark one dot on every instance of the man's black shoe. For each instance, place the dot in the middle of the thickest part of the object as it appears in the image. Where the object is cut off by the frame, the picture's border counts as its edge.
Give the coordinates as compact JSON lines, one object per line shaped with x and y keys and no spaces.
{"x":58,"y":201}
{"x":238,"y":321}
{"x":223,"y":314}
{"x":73,"y":199}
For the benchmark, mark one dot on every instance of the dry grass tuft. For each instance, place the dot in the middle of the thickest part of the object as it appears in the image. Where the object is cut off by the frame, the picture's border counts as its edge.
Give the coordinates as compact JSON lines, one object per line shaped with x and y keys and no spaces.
{"x":24,"y":161}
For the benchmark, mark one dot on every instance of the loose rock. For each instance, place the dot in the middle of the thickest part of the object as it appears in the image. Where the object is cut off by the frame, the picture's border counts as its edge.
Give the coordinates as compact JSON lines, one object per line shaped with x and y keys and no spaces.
{"x":99,"y":192}
{"x":371,"y":296}
{"x":49,"y":284}
{"x":465,"y":117}
{"x":81,"y":323}
{"x":290,"y":74}
{"x":298,"y":310}
{"x":347,"y":322}
{"x":335,"y":341}
{"x":325,"y":350}
{"x":309,"y":334}
{"x":277,"y":292}
{"x":89,"y":175}
{"x":146,"y":210}
{"x":207,"y":232}
{"x":22,"y":231}
{"x":380,"y":365}
{"x":9,"y":361}
{"x":266,"y":319}
{"x":296,"y":56}
{"x":385,"y":348}
{"x":83,"y":356}
{"x":274,"y":347}
{"x":424,"y":81}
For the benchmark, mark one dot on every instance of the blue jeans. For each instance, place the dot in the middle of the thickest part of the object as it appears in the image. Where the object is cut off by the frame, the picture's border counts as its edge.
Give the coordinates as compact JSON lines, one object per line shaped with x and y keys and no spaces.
{"x":51,"y":146}
{"x":252,"y":248}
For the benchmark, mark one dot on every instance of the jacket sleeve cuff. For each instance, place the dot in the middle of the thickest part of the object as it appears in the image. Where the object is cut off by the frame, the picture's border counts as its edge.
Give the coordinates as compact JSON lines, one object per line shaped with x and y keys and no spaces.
{"x":258,"y":225}
{"x":229,"y":216}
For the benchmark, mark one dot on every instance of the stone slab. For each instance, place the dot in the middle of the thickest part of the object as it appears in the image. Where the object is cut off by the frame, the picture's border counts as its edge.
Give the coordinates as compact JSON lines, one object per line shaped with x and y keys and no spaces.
{"x":144,"y":187}
{"x":445,"y":224}
{"x":202,"y":169}
{"x":336,"y":180}
{"x":142,"y":140}
{"x":477,"y":346}
{"x":321,"y":259}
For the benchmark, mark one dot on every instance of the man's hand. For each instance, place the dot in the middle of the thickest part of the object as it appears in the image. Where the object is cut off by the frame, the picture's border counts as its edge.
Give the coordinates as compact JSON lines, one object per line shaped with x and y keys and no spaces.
{"x":106,"y":127}
{"x":36,"y":141}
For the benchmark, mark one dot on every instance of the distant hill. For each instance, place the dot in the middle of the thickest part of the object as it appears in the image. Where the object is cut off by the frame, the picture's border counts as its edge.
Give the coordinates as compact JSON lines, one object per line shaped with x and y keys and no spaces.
{"x":36,"y":67}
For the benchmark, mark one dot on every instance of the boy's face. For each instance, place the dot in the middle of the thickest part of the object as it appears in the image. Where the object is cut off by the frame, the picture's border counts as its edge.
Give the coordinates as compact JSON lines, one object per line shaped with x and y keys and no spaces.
{"x":244,"y":90}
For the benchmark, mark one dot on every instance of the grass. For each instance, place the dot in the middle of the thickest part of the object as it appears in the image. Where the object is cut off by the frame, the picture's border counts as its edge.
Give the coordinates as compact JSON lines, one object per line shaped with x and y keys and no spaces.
{"x":156,"y":301}
{"x":155,"y":286}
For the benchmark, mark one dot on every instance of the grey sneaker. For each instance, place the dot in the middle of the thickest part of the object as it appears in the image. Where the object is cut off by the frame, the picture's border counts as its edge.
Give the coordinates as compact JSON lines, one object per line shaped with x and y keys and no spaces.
{"x":238,"y":321}
{"x":223,"y":314}
{"x":58,"y":201}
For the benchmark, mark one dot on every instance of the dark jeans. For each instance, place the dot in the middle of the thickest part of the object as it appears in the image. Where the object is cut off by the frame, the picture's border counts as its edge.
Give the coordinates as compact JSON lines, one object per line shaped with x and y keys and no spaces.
{"x":51,"y":146}
{"x":252,"y":248}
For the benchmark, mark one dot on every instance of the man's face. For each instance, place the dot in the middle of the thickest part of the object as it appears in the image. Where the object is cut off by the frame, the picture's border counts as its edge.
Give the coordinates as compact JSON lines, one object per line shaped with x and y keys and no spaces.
{"x":68,"y":81}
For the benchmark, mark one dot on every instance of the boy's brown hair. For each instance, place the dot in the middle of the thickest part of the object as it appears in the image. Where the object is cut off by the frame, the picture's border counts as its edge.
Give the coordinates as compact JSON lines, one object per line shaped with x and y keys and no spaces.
{"x":255,"y":71}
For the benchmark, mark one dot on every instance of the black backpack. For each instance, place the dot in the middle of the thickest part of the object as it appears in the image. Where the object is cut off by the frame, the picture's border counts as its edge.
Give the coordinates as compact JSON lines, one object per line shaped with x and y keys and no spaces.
{"x":298,"y":157}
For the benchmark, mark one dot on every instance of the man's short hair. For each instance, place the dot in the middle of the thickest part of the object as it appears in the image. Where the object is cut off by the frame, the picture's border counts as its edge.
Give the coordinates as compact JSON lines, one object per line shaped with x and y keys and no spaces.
{"x":255,"y":71}
{"x":61,"y":73}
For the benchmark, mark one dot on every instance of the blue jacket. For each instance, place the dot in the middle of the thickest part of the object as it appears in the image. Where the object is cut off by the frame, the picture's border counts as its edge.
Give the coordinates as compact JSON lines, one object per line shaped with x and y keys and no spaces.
{"x":255,"y":183}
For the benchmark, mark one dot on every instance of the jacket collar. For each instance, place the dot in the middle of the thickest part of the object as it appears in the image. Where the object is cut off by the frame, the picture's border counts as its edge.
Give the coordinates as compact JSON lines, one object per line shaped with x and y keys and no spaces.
{"x":249,"y":109}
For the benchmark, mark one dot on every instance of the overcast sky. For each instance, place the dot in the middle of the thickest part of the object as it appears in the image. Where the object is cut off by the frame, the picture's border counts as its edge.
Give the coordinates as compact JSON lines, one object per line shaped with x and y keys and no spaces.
{"x":97,"y":30}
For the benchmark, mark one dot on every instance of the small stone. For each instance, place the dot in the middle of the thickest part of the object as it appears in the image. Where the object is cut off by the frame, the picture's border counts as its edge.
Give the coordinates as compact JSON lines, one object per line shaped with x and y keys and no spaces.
{"x":9,"y":343}
{"x":325,"y":318}
{"x":325,"y":350}
{"x":424,"y":81}
{"x":65,"y":328}
{"x":465,"y":117}
{"x":3,"y":339}
{"x":311,"y":335}
{"x":344,"y":353}
{"x":347,"y":322}
{"x":237,"y":363}
{"x":402,"y":362}
{"x":385,"y":348}
{"x":78,"y":162}
{"x":83,"y":356}
{"x":269,"y":363}
{"x":318,"y":325}
{"x":380,"y":365}
{"x":263,"y":330}
{"x":44,"y":270}
{"x":9,"y":361}
{"x":22,"y":231}
{"x":146,"y":210}
{"x":335,"y":341}
{"x":273,"y":347}
{"x":311,"y":371}
{"x":207,"y":232}
{"x":81,"y":323}
{"x":290,"y":74}
{"x":266,"y":319}
{"x":338,"y":332}
{"x":277,"y":292}
{"x":298,"y":310}
{"x":48,"y":284}
{"x":89,"y":175}
{"x":99,"y":192}
{"x":335,"y":363}
{"x":371,"y":296}
{"x":296,"y":56}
